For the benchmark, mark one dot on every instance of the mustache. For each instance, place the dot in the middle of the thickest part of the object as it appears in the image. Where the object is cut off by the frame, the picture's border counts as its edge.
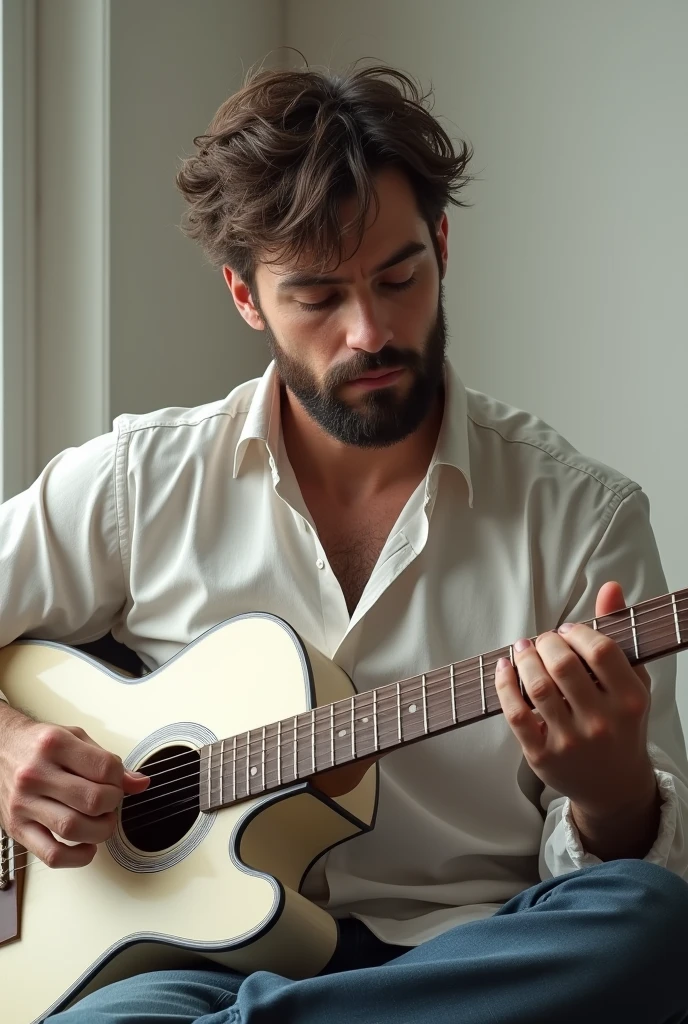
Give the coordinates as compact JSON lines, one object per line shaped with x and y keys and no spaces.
{"x":366,"y":362}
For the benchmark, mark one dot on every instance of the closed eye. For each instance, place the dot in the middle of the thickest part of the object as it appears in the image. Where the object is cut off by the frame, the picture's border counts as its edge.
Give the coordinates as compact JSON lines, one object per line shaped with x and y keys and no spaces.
{"x":396,"y":286}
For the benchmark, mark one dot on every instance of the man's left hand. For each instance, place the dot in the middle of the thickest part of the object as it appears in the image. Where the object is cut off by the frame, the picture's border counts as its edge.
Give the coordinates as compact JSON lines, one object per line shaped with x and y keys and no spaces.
{"x":588,"y":740}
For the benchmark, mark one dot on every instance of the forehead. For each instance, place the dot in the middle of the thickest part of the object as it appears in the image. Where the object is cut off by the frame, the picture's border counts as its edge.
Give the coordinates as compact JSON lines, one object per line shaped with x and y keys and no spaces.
{"x":395,"y":225}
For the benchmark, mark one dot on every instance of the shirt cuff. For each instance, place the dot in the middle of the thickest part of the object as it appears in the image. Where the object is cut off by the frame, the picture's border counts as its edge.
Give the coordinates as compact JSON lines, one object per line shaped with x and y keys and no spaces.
{"x":660,"y":849}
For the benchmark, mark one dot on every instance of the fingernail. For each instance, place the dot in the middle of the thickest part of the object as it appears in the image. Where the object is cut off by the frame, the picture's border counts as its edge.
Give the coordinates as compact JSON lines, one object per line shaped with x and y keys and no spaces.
{"x":521,"y":645}
{"x":565,"y":627}
{"x":137,"y":775}
{"x":502,"y":664}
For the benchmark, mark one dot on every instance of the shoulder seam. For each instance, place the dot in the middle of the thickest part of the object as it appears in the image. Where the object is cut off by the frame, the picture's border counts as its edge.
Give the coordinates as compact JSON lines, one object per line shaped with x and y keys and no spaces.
{"x":626,"y":489}
{"x":135,"y":428}
{"x":121,"y":500}
{"x":614,"y":504}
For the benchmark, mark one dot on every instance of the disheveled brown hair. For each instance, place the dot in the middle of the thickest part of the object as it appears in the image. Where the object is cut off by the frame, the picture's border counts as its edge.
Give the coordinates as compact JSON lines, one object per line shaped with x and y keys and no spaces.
{"x":280,"y":155}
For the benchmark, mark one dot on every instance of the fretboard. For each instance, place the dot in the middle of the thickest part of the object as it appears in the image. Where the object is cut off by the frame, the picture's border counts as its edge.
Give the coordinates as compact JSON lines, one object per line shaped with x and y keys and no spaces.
{"x":395,"y":714}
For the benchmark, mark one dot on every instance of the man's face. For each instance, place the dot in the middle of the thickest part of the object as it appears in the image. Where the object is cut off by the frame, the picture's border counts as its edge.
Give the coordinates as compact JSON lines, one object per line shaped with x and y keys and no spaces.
{"x":379,"y":312}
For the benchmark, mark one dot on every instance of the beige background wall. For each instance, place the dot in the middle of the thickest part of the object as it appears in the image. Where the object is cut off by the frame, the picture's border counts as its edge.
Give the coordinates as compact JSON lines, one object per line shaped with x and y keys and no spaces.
{"x":175,"y":335}
{"x":130,"y":316}
{"x":568,"y":279}
{"x":567,"y":285}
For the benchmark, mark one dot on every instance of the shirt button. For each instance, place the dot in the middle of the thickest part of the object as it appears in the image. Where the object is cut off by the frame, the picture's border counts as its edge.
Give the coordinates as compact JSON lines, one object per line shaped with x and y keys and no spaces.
{"x":320,"y":564}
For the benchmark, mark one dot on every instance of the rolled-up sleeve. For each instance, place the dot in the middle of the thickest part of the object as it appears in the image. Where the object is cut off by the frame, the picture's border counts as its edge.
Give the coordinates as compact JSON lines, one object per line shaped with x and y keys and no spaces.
{"x":627,"y":553}
{"x":61,"y":575}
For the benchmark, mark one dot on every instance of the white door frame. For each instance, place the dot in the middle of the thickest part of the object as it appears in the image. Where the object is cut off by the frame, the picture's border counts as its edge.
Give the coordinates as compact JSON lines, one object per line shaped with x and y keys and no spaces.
{"x":18,"y":247}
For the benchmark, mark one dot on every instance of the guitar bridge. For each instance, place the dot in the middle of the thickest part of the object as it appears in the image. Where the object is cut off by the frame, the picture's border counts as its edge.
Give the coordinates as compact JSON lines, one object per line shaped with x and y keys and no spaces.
{"x":6,"y":860}
{"x":11,"y":889}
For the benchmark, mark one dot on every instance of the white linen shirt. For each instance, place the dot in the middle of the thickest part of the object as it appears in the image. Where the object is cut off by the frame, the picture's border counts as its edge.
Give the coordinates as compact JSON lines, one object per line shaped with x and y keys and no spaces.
{"x":182,"y":518}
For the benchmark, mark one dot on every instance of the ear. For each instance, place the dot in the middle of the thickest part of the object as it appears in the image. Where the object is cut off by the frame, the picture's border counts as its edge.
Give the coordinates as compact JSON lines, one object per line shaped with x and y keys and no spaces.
{"x":243,"y":299}
{"x":442,"y":232}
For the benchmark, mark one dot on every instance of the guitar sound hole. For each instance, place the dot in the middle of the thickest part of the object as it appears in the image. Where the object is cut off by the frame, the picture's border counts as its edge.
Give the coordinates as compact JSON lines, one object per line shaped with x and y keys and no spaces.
{"x":162,"y":815}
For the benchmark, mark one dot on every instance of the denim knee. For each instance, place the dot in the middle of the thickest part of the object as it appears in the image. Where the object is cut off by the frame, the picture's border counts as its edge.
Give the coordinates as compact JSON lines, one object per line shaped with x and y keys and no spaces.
{"x":655,"y":895}
{"x":658,"y":880}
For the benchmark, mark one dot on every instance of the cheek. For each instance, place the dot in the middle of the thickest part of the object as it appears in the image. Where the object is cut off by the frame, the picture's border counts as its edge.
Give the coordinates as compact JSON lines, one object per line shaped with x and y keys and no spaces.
{"x":416,"y":313}
{"x":312,"y":343}
{"x":316,"y":339}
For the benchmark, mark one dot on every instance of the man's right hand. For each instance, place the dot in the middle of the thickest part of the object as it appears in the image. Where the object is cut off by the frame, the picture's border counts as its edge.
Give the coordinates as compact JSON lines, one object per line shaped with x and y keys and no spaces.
{"x":56,"y":779}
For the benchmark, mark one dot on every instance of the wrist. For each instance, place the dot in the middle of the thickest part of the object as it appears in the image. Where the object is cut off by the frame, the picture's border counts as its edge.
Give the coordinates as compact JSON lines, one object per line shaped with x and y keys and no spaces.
{"x":640,"y":792}
{"x":621,"y":831}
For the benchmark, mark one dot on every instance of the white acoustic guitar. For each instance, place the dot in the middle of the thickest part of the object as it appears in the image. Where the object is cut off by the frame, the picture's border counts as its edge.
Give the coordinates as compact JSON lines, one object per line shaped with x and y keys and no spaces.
{"x":208,"y":861}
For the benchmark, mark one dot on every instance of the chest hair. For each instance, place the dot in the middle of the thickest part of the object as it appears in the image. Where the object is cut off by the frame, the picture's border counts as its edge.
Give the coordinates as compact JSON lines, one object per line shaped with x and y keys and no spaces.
{"x":352,"y":553}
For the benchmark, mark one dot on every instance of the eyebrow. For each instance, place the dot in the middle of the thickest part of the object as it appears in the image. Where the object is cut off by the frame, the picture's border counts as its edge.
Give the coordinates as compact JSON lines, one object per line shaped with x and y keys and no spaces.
{"x":302,"y":279}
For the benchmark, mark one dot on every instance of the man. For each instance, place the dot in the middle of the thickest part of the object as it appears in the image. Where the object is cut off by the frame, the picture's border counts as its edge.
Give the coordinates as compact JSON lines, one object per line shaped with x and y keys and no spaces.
{"x":529,"y":868}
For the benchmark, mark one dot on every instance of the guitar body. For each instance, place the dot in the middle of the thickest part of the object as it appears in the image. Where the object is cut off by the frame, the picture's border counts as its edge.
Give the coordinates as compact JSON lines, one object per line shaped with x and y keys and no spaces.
{"x":225,"y":889}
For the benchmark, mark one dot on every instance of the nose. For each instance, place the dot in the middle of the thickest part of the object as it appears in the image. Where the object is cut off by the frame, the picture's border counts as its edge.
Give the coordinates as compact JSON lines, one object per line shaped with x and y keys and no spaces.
{"x":367,"y":329}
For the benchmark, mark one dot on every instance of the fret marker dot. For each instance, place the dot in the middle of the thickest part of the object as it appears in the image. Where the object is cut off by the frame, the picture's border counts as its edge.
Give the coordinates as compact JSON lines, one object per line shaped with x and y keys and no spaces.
{"x":254,"y":771}
{"x":342,"y":732}
{"x":364,"y":720}
{"x":413,"y":707}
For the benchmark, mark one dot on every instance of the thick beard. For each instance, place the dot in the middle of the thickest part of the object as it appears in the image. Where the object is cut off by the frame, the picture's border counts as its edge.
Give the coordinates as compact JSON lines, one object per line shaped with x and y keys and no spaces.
{"x":385,"y":418}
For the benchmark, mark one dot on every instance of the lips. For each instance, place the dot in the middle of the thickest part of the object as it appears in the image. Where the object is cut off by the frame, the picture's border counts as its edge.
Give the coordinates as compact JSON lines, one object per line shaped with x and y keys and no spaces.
{"x":378,"y":373}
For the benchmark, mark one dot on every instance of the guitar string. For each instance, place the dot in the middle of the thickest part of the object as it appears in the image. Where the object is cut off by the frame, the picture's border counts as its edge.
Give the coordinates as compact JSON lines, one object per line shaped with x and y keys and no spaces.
{"x":324,"y":728}
{"x":247,"y":795}
{"x":461,"y":672}
{"x":458,"y":680}
{"x":384,"y":716}
{"x":306,"y":755}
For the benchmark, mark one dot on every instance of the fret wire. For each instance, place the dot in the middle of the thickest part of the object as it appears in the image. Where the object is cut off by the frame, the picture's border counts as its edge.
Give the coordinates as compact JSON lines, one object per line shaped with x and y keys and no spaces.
{"x":425,"y":705}
{"x":248,"y":759}
{"x":375,"y":735}
{"x":678,"y":628}
{"x":234,"y":769}
{"x":263,"y":765}
{"x":296,"y":738}
{"x":452,"y":686}
{"x":222,"y":771}
{"x":513,"y":665}
{"x":313,"y":741}
{"x":482,"y":684}
{"x":279,"y":753}
{"x":635,"y":634}
{"x":210,"y":773}
{"x":658,"y":642}
{"x":332,"y":733}
{"x":594,"y":624}
{"x":635,"y":626}
{"x":353,"y":729}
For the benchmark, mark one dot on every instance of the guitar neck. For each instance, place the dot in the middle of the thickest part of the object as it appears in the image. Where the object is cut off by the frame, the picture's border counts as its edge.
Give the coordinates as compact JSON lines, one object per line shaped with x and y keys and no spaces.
{"x":396,"y":714}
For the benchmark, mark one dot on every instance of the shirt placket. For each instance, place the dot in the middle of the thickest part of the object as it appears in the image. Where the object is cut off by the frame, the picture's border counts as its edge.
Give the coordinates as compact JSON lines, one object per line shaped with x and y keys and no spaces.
{"x":335,"y":614}
{"x":400,"y":550}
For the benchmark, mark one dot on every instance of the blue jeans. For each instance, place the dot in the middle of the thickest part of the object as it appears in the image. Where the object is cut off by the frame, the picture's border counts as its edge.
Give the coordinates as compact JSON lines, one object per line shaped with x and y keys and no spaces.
{"x":602,"y":945}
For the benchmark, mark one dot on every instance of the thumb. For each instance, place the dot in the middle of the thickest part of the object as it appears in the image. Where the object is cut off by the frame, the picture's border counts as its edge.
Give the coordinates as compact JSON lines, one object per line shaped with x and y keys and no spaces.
{"x":610,"y":598}
{"x":134,"y":782}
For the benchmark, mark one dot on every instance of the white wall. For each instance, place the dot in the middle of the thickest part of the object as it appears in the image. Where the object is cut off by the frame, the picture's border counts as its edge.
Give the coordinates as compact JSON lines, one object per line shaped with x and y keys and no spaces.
{"x":131,"y":317}
{"x":567,"y":279}
{"x":176,"y":337}
{"x":71,"y":158}
{"x":17,"y":229}
{"x":567,"y":286}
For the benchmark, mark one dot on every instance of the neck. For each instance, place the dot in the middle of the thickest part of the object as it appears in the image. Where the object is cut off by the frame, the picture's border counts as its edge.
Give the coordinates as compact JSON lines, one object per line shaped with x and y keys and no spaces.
{"x":343,"y":474}
{"x":394,"y":715}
